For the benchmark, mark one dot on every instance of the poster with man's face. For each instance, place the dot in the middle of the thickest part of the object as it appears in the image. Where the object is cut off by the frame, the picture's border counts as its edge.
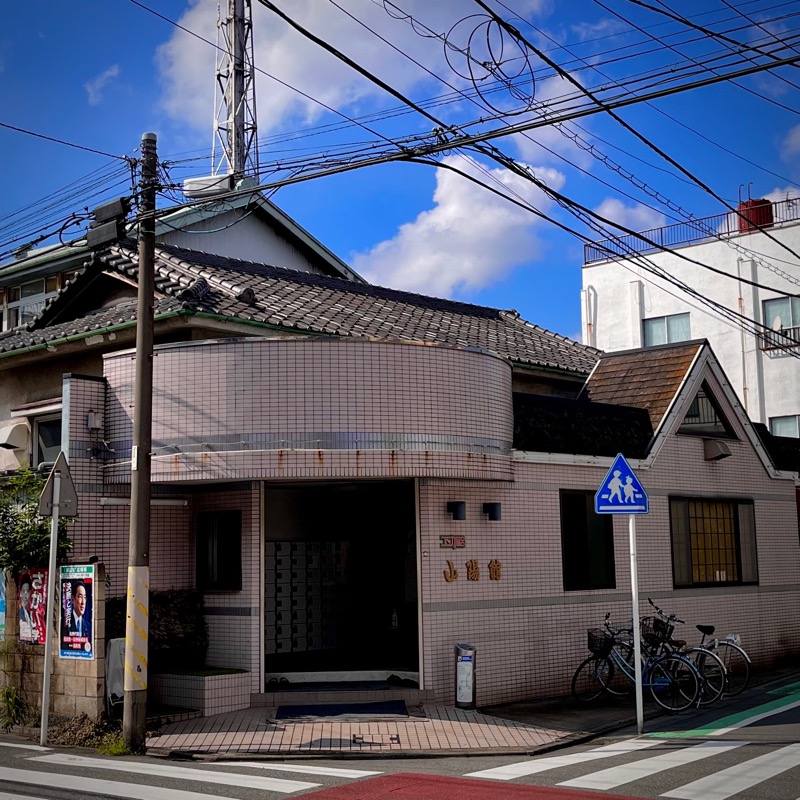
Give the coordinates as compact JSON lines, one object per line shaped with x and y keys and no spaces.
{"x":76,"y":625}
{"x":32,"y":606}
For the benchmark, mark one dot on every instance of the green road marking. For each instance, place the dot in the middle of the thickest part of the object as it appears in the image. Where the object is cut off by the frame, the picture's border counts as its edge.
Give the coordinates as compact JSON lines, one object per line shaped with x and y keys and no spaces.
{"x":732,"y":720}
{"x":790,"y":688}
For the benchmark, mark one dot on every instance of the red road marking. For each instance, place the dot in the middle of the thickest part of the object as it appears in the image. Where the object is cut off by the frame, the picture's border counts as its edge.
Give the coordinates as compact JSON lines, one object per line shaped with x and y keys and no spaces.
{"x":411,"y":786}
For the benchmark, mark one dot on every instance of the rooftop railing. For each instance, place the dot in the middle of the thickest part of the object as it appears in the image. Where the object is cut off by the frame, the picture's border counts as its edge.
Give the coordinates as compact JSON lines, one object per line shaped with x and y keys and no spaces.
{"x":758,"y":214}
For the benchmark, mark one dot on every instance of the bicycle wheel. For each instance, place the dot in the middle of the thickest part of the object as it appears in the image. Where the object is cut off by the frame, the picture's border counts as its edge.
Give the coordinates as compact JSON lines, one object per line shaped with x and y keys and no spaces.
{"x":737,"y":667}
{"x":712,"y":674}
{"x":591,"y":678}
{"x":622,"y":679}
{"x":673,"y":682}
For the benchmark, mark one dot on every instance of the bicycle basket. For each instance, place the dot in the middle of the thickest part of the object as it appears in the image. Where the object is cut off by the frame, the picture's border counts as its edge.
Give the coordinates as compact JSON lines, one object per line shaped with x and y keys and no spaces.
{"x":600,"y":642}
{"x":655,"y":631}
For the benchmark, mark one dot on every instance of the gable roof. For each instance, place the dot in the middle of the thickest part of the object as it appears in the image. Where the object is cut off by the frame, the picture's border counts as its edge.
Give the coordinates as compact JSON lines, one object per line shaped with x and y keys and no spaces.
{"x":194,"y":283}
{"x":62,"y":257}
{"x":648,"y":378}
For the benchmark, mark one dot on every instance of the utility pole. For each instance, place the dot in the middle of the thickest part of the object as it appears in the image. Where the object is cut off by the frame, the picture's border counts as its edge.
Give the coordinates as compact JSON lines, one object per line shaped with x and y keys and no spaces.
{"x":136,"y":628}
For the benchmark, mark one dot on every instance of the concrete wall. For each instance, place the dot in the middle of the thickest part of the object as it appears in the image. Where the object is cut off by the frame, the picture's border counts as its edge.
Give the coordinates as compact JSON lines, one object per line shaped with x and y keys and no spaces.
{"x":618,"y":295}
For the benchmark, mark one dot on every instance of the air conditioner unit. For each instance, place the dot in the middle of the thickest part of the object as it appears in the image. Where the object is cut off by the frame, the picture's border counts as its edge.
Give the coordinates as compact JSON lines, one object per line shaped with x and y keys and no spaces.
{"x":209,"y":186}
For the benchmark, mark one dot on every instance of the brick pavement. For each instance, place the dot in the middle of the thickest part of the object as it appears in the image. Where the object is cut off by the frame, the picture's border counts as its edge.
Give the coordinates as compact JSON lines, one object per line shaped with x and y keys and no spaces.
{"x":429,"y":729}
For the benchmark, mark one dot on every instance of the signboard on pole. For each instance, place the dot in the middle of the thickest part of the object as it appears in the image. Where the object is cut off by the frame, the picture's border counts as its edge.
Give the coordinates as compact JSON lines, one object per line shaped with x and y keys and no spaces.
{"x":76,"y":620}
{"x":621,"y":492}
{"x":68,"y":497}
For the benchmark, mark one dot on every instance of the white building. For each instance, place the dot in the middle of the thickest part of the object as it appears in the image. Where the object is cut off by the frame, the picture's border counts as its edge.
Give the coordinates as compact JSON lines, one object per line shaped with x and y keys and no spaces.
{"x":625,"y":305}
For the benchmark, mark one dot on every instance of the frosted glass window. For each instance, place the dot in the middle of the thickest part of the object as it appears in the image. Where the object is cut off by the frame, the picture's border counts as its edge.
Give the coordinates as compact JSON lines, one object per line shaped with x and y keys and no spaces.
{"x":785,"y":426}
{"x":665,"y":330}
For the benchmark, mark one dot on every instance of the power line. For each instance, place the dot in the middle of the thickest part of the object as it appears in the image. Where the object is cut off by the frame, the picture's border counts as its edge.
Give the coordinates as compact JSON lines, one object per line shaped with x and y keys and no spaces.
{"x":61,"y":141}
{"x":514,"y":32}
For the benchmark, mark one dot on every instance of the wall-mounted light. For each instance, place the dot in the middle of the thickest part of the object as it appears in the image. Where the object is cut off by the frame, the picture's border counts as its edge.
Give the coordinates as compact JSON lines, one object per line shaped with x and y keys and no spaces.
{"x":493,"y":511}
{"x":458,"y":508}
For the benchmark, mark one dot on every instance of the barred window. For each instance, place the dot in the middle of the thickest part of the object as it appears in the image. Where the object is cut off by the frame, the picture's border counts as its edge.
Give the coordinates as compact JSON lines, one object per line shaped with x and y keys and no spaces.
{"x":713,"y":542}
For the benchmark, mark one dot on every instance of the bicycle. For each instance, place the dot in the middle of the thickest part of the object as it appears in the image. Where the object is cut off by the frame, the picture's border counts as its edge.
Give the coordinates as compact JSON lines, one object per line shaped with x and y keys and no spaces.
{"x":657,"y":633}
{"x":734,"y":657}
{"x":671,"y":678}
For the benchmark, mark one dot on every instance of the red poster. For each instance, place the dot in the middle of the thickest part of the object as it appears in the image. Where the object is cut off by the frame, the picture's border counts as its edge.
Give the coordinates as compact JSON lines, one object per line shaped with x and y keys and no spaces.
{"x":33,"y":606}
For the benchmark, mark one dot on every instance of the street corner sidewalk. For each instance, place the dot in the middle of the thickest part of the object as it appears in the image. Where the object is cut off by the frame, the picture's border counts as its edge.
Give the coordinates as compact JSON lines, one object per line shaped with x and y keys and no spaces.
{"x":430,"y":730}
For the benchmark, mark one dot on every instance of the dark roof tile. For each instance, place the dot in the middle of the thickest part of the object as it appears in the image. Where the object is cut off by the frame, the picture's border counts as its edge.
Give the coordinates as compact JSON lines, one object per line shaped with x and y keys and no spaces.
{"x":323,"y":304}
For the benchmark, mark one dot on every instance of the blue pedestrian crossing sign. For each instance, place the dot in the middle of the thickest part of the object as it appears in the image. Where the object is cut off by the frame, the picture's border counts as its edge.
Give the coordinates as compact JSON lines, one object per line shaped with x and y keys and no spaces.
{"x":621,"y":492}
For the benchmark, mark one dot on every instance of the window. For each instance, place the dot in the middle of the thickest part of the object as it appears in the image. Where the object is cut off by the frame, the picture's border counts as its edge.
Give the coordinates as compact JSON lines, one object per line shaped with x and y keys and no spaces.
{"x":785,"y":426}
{"x":587,"y":544}
{"x":24,"y":302}
{"x":665,"y":330}
{"x":782,"y":315}
{"x":219,"y":551}
{"x":713,"y":542}
{"x":704,"y":417}
{"x":46,"y":439}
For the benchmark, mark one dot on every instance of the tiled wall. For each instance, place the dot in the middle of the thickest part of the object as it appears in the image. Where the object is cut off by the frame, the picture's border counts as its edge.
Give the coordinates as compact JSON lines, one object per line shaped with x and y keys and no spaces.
{"x":530,"y":634}
{"x":279,"y":408}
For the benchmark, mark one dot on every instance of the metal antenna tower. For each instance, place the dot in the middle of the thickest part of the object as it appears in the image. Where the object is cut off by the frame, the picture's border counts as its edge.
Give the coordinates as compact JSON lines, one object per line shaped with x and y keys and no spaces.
{"x":235,"y":147}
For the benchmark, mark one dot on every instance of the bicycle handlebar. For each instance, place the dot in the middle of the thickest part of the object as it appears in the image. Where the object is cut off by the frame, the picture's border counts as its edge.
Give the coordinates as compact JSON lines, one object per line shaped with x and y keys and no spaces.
{"x":663,"y":614}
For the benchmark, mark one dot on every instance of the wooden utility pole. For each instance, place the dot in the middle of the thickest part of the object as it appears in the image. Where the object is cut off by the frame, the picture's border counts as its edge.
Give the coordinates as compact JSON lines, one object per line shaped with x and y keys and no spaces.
{"x":136,"y":628}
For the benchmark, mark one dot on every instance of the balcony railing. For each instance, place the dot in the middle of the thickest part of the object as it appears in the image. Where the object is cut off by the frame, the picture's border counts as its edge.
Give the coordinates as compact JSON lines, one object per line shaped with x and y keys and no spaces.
{"x":698,"y":230}
{"x":783,"y":339}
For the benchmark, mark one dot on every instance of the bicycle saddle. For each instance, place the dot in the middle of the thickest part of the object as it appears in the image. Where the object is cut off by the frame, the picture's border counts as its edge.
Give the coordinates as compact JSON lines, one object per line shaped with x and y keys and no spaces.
{"x":706,"y":630}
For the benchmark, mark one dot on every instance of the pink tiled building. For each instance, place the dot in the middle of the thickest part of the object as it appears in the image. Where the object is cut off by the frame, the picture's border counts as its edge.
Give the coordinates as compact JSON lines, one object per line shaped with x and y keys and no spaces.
{"x":357,"y":478}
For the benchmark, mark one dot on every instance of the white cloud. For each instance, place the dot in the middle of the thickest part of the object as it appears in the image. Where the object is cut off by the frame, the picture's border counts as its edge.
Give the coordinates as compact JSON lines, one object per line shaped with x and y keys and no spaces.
{"x":187,"y":64}
{"x":790,"y":146}
{"x":94,"y":87}
{"x":636,"y":217}
{"x":470,"y":239}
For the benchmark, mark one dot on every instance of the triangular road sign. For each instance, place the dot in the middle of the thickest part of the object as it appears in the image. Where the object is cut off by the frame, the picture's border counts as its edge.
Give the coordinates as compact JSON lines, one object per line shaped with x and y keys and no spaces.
{"x":621,"y":492}
{"x":67,"y":496}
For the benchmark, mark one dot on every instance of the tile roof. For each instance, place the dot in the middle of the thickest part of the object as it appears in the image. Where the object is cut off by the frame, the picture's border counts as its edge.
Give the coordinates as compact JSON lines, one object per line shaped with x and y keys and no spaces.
{"x":647,"y":378}
{"x":191,"y":281}
{"x":783,"y":450}
{"x":578,"y":427}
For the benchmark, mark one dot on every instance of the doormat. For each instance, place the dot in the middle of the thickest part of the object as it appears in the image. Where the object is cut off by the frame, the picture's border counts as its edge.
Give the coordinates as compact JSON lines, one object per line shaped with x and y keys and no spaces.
{"x":387,"y":708}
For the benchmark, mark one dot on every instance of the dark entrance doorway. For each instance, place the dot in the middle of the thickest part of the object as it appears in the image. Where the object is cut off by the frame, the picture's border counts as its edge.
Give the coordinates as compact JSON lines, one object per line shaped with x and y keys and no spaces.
{"x":341,"y":577}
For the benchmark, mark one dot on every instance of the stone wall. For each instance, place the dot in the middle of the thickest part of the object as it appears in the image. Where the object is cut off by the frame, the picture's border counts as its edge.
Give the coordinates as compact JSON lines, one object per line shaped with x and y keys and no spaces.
{"x":77,"y":686}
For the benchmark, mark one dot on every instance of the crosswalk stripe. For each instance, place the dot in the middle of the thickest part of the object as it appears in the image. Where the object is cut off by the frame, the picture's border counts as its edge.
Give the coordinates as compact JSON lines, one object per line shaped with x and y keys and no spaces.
{"x":26,"y":746}
{"x":182,"y":773}
{"x":616,"y":776}
{"x":522,"y":768}
{"x":333,"y":772}
{"x":739,"y":777}
{"x":7,"y":796}
{"x":77,"y":783}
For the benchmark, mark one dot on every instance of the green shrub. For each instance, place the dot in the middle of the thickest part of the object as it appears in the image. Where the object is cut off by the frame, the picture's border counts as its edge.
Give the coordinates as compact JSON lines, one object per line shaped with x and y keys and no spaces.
{"x":177,"y":630}
{"x":13,"y":707}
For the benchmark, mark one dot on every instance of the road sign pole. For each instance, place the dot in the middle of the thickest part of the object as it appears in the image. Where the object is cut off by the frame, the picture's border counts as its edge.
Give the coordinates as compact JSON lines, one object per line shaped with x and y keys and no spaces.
{"x":49,"y":627}
{"x":637,"y":634}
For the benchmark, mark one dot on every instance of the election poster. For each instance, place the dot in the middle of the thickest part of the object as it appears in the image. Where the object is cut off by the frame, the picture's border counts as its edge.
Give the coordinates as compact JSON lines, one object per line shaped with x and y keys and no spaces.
{"x":2,"y":605}
{"x":77,"y":611}
{"x":32,"y":606}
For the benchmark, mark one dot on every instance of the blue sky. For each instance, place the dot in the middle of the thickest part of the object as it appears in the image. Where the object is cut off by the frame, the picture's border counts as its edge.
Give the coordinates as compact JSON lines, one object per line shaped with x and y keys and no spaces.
{"x":101,"y":72}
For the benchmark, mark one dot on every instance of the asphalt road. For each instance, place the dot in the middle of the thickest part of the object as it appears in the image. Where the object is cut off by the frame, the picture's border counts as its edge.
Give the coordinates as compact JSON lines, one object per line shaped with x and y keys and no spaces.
{"x":744,"y":749}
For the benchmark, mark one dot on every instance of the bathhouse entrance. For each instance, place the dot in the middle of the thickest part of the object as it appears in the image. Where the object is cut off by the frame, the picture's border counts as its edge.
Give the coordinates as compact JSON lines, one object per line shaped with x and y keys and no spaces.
{"x":340,"y":581}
